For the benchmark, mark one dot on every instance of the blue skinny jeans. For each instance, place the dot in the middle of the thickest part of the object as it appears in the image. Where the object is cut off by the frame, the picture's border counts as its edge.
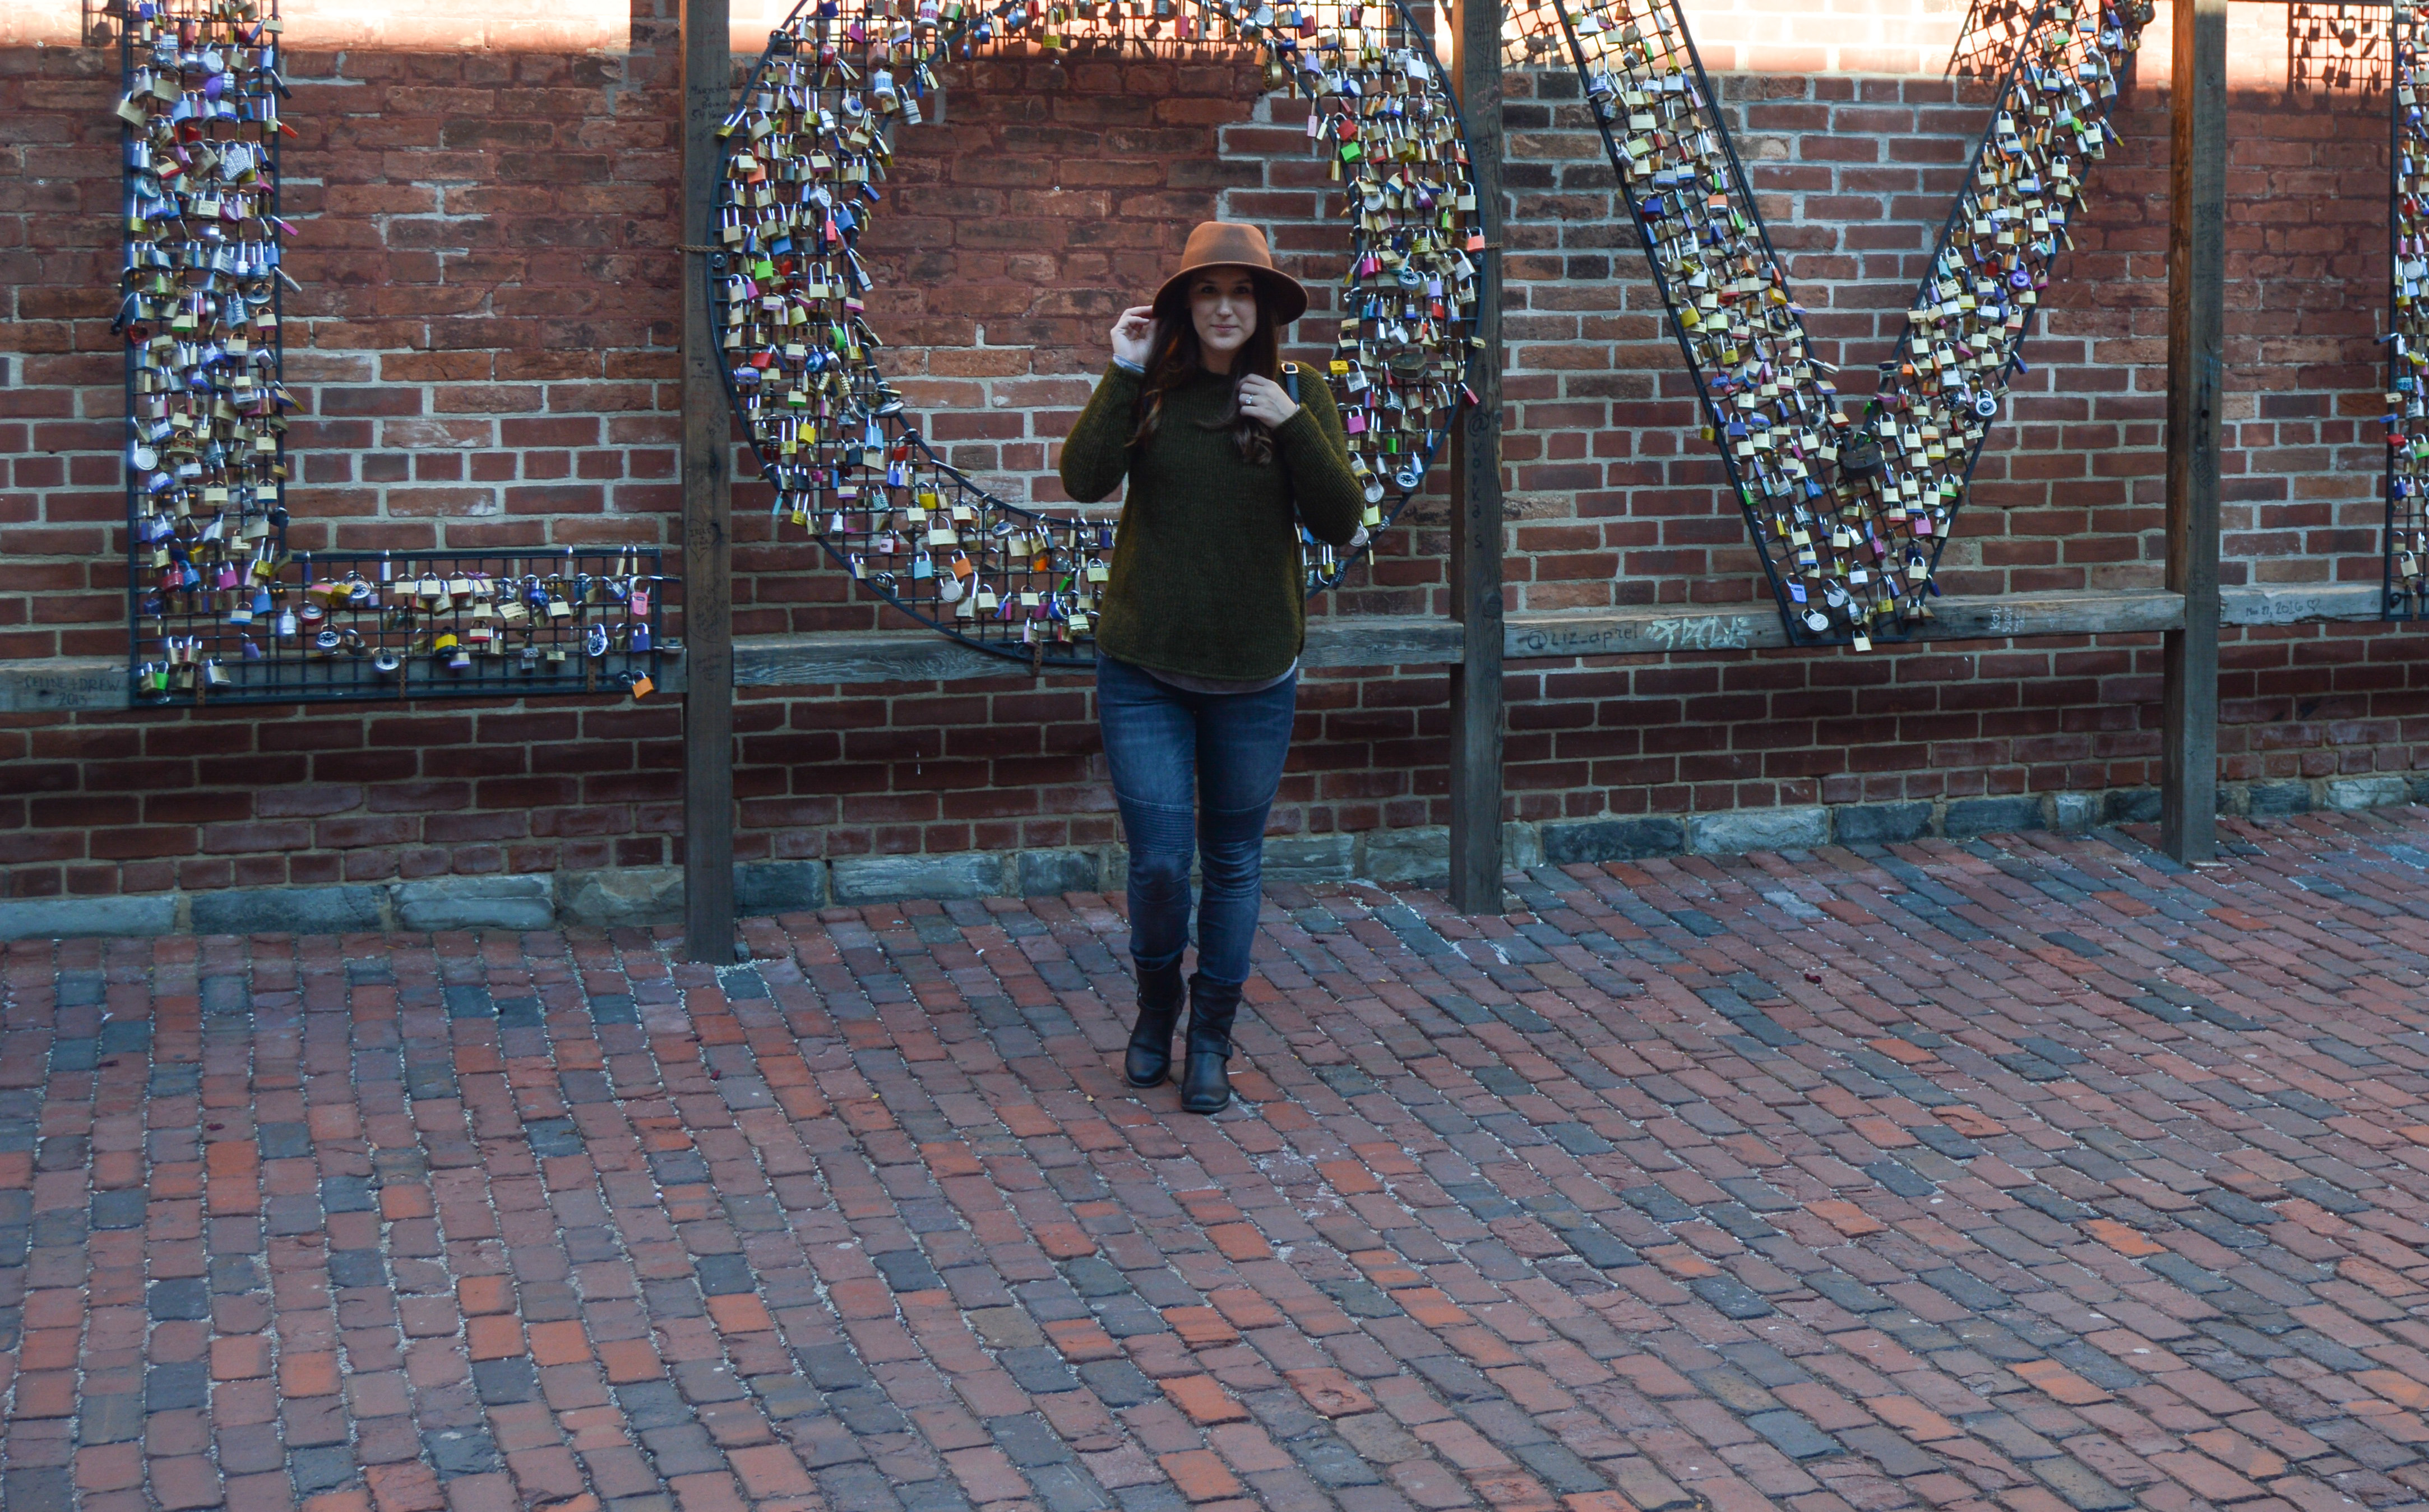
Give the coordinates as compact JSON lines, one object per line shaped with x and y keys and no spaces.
{"x":1193,"y":773}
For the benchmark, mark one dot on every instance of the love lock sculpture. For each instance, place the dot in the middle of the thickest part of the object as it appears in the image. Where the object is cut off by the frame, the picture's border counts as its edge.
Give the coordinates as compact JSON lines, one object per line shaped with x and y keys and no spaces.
{"x":2408,"y":336}
{"x":1849,"y":514}
{"x":806,"y":154}
{"x":199,"y":304}
{"x":218,"y":611}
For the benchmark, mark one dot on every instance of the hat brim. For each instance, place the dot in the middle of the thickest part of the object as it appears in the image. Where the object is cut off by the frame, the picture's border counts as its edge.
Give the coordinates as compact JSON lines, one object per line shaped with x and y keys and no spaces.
{"x":1287,"y":296}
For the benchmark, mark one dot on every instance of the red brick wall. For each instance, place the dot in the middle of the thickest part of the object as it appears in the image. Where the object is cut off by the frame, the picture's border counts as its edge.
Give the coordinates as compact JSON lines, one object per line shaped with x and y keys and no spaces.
{"x":484,"y":350}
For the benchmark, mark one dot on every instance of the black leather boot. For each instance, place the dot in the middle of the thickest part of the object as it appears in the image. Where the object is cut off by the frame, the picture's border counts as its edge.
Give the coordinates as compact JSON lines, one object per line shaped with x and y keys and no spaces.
{"x":1206,"y":1081}
{"x":1148,"y":1060}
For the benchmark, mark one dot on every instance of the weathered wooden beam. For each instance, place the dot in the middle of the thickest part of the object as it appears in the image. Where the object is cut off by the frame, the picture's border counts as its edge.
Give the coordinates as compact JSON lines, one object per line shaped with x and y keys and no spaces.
{"x":2196,"y":347}
{"x":892,"y":656}
{"x":1375,"y":640}
{"x":2298,"y":603}
{"x":708,"y":546}
{"x":56,"y":687}
{"x":1741,"y":626}
{"x":1476,"y":699}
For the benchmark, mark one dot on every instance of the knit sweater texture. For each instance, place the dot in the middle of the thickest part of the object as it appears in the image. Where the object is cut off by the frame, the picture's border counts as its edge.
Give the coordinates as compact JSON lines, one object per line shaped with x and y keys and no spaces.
{"x":1206,"y":574}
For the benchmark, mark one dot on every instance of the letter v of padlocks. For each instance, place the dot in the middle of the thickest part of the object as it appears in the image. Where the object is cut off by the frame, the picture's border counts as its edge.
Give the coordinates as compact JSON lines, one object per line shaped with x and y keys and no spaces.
{"x":1849,"y":513}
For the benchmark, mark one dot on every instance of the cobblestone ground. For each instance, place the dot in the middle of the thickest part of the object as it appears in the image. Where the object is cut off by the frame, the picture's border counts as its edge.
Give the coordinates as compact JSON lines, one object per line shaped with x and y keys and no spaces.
{"x":2035,"y":1173}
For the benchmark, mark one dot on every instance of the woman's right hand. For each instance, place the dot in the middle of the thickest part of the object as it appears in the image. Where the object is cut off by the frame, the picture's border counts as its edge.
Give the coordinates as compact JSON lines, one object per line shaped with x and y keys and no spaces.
{"x":1134,"y":334}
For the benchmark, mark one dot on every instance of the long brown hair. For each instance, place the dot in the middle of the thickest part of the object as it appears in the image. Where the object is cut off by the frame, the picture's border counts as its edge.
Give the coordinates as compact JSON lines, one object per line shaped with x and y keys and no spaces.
{"x":1176,"y":356}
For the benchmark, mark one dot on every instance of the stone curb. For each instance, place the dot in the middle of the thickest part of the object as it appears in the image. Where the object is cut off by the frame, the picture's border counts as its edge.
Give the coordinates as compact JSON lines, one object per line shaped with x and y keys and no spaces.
{"x":610,"y":898}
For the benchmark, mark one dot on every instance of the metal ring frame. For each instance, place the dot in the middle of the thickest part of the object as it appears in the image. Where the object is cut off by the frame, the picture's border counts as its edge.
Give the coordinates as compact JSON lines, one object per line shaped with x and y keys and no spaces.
{"x":1017,"y":582}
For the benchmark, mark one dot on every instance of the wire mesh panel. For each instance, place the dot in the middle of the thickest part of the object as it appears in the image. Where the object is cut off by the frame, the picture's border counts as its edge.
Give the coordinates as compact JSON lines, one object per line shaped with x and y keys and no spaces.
{"x":1849,"y":513}
{"x":1531,"y":36}
{"x":808,"y":150}
{"x":331,"y":626}
{"x":199,"y":296}
{"x":2335,"y":46}
{"x":2408,"y":336}
{"x":1994,"y":32}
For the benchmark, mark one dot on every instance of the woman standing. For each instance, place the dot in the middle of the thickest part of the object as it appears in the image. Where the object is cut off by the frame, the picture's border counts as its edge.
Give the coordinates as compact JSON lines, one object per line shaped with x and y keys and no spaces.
{"x":1197,"y":644}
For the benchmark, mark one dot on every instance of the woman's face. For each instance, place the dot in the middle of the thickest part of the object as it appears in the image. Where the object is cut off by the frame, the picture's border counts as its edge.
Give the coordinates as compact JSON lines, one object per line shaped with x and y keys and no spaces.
{"x":1223,"y":307}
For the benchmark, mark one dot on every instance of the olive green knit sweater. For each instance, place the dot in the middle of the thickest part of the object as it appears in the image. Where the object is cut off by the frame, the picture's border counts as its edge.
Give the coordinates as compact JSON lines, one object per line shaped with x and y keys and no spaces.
{"x":1206,"y":576}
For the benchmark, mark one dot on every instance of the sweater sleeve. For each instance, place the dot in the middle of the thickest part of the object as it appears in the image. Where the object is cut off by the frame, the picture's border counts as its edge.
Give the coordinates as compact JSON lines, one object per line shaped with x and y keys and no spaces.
{"x":1097,"y":454}
{"x":1331,"y":499}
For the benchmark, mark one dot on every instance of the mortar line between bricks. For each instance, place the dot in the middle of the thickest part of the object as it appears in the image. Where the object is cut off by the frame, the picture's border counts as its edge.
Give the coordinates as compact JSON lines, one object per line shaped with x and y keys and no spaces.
{"x":694,"y":1105}
{"x":1514,"y":1157}
{"x":702,"y":1028}
{"x":446,"y":1393}
{"x":272,"y":1369}
{"x":773,"y":1043}
{"x":179,"y":1339}
{"x":161,"y":1182}
{"x":574,"y":1042}
{"x":1514,"y":1154}
{"x":2109,"y":1131}
{"x":1213,"y":1130}
{"x":501,"y":1155}
{"x":431,"y":1352}
{"x":1044,"y":1062}
{"x":624,"y":1090}
{"x":601,"y":1449}
{"x":111,"y":1353}
{"x":83,"y":1360}
{"x":173,"y":1128}
{"x":853,"y":1146}
{"x":329,"y":1100}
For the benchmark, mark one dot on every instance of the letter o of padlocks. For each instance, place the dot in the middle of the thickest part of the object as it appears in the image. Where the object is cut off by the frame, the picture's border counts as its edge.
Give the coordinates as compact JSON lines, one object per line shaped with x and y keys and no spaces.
{"x":796,"y":308}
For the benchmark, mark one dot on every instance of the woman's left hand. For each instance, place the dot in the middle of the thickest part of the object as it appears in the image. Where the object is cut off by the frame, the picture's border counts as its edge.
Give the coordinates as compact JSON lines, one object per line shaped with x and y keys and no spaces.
{"x":1262,"y":400}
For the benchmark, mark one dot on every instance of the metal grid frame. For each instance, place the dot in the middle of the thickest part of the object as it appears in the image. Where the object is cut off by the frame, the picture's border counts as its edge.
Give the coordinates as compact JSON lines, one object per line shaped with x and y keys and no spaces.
{"x":1992,"y":37}
{"x":2336,"y":45}
{"x":2405,"y":572}
{"x":201,"y":302}
{"x":333,"y":627}
{"x":1895,"y":478}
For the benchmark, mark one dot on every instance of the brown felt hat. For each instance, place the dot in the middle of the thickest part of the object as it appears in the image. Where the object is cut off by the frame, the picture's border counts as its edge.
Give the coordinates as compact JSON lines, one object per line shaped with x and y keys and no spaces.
{"x":1219,"y":243}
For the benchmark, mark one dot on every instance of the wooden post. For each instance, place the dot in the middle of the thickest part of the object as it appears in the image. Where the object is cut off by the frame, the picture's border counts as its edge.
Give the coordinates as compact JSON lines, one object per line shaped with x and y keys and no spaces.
{"x":708,"y":548}
{"x":1476,"y":859}
{"x":2196,"y":319}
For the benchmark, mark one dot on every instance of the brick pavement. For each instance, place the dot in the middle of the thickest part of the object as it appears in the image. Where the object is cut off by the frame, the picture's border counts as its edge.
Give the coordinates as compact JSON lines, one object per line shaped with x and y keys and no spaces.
{"x":2028,"y":1175}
